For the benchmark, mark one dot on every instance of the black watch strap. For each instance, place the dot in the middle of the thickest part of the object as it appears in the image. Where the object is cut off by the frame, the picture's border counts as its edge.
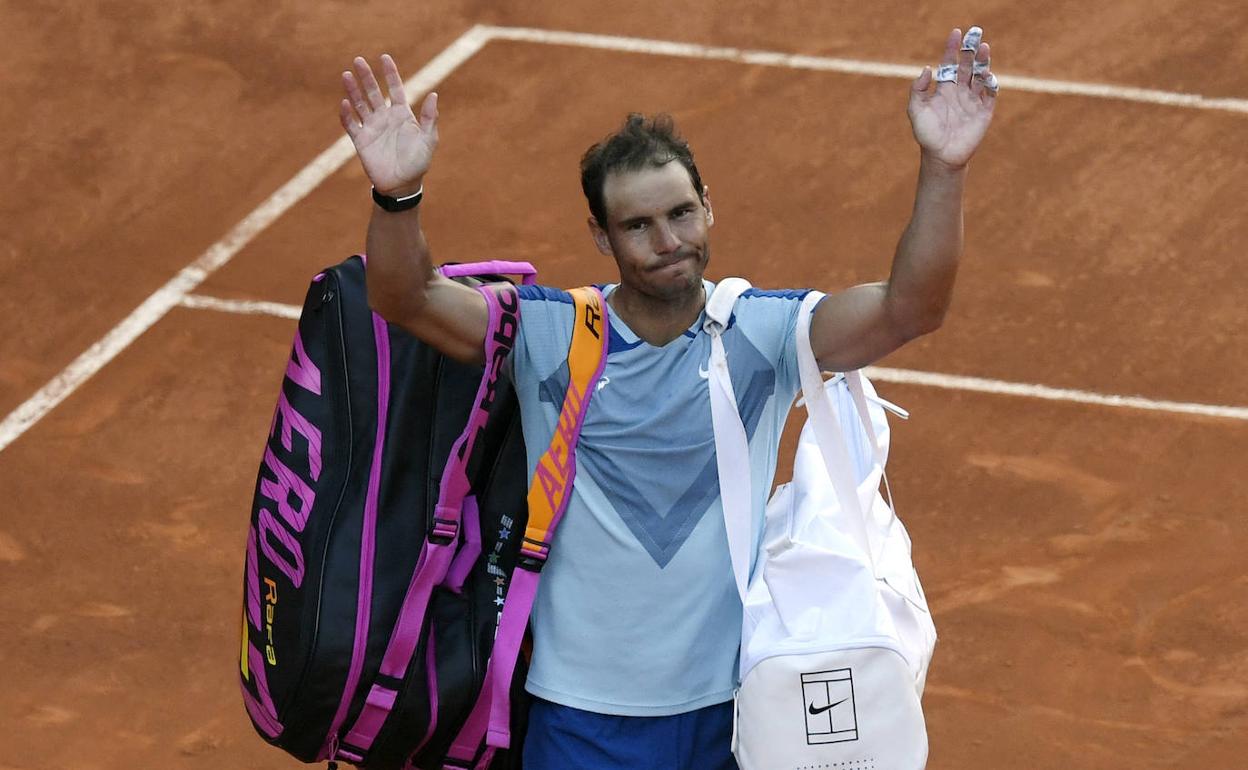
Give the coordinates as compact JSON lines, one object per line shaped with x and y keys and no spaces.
{"x":398,"y":204}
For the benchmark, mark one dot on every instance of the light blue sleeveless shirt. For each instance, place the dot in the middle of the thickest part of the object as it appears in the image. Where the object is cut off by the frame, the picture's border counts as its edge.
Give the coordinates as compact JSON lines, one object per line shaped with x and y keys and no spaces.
{"x":637,"y":613}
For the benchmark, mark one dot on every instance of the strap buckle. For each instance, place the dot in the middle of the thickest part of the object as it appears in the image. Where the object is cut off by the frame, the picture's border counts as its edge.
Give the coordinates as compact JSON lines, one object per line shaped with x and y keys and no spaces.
{"x":533,"y":554}
{"x":444,"y":530}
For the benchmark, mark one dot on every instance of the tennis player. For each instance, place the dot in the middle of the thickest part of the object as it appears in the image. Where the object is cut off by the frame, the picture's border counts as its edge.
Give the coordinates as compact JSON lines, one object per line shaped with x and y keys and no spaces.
{"x":637,"y":622}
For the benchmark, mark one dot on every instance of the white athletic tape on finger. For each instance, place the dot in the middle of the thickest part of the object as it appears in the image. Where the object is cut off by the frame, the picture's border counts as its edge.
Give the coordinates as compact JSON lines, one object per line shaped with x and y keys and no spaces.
{"x":981,"y":67}
{"x":947,"y":73}
{"x":990,"y":83}
{"x":970,"y":41}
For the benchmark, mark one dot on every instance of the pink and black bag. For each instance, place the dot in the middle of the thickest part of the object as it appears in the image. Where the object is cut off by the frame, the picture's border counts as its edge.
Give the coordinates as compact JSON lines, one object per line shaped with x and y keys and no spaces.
{"x":387,"y":524}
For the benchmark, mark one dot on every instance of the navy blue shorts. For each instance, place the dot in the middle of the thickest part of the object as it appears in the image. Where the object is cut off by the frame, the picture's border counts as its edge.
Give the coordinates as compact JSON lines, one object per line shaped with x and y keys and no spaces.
{"x":561,"y":738}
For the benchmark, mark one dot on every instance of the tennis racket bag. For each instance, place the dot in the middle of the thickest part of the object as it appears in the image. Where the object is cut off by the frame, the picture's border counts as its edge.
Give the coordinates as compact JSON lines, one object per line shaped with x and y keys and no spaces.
{"x":385,"y":530}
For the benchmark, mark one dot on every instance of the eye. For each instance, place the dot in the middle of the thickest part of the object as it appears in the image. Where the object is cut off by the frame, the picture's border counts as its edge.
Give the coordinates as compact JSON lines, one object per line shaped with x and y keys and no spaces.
{"x":636,"y":227}
{"x":682,"y":213}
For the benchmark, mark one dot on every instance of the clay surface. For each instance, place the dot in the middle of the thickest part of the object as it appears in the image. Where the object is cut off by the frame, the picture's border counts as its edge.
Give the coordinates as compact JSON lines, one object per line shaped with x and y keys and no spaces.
{"x":1085,"y":564}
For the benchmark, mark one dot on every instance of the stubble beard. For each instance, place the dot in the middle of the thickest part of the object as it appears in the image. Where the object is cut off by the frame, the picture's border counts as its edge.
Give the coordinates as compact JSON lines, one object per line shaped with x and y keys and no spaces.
{"x":693,"y":285}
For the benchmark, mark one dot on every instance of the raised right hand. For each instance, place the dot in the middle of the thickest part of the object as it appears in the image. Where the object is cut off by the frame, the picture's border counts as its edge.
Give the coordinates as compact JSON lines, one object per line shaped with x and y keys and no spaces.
{"x":394,"y":147}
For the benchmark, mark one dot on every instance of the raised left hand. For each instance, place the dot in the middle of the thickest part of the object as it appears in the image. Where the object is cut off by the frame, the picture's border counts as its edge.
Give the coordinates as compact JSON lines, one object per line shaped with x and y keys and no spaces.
{"x":951,"y":109}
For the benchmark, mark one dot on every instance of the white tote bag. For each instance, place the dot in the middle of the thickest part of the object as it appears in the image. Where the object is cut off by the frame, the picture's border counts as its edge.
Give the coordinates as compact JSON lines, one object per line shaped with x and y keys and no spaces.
{"x":836,"y":635}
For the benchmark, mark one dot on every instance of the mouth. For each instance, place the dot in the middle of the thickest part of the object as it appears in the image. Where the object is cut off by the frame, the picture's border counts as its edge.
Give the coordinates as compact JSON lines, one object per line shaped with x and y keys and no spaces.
{"x":676,"y":259}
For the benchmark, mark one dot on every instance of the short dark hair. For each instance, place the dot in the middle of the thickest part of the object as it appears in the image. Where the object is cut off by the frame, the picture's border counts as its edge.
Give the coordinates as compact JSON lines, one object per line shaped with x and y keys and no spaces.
{"x":639,"y":143}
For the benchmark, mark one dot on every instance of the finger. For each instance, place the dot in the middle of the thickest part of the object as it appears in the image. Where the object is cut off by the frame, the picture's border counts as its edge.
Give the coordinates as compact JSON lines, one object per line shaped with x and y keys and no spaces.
{"x":985,"y":86}
{"x":429,"y":112}
{"x":355,"y":95}
{"x":947,"y":73}
{"x":966,"y":54}
{"x":369,"y":83}
{"x":394,"y":82}
{"x":350,"y":121}
{"x":983,"y":59}
{"x":990,"y":85}
{"x":951,"y":47}
{"x":981,"y":68}
{"x":972,"y":39}
{"x":921,"y":83}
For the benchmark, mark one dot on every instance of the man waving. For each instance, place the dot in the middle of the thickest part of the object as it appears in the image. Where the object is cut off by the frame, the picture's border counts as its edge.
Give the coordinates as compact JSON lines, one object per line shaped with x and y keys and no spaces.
{"x":637,"y":622}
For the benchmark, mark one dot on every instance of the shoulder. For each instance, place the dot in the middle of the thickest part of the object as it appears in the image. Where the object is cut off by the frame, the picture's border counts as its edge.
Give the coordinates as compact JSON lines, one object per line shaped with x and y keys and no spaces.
{"x":766,"y":318}
{"x":535,"y":293}
{"x":545,"y":307}
{"x":546,"y":319}
{"x":774,"y":295}
{"x":768,"y":305}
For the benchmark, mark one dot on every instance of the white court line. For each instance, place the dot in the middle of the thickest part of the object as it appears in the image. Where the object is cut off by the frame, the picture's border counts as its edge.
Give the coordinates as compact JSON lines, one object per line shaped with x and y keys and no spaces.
{"x":172,"y":293}
{"x":999,"y":387}
{"x":168,"y":296}
{"x":242,"y":306}
{"x":878,"y":373}
{"x":854,"y":67}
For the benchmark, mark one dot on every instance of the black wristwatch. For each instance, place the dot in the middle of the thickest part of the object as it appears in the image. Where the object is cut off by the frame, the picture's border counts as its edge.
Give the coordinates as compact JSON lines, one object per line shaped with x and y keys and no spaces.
{"x":395,"y":205}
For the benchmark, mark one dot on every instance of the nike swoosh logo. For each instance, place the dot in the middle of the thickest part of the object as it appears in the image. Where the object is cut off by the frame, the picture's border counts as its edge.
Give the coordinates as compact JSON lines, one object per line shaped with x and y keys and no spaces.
{"x":703,"y":373}
{"x":816,"y":711}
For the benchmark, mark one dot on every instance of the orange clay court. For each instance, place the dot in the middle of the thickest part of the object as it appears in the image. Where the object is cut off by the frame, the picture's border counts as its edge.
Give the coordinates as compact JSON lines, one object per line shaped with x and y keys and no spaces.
{"x":1084,"y":556}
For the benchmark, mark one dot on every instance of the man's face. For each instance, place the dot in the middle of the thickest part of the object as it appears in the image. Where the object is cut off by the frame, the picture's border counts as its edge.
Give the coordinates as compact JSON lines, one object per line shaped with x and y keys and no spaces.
{"x":657,"y":230}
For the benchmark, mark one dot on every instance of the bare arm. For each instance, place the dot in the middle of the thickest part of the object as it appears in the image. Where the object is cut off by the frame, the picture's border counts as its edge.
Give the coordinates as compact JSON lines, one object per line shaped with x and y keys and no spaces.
{"x":396,"y":151}
{"x":855,"y":327}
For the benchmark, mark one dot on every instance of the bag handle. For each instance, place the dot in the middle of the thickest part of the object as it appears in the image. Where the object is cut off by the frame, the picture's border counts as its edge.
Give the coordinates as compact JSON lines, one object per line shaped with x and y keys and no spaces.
{"x":854,"y":380}
{"x":828,"y":430}
{"x":503,"y":306}
{"x":732,"y":447}
{"x":721,"y":302}
{"x":492,"y":267}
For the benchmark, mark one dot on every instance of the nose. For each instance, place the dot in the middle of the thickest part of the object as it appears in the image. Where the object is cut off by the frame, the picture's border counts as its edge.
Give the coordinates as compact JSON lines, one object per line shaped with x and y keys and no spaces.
{"x":665,"y":240}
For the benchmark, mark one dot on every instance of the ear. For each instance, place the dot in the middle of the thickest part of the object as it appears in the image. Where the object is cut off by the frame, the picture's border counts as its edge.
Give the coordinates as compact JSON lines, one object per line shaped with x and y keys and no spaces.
{"x":600,"y":237}
{"x":706,"y":204}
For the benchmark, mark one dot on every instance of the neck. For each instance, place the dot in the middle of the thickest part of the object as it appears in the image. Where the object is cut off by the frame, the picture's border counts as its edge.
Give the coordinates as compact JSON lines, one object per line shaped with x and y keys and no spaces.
{"x":657,"y":320}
